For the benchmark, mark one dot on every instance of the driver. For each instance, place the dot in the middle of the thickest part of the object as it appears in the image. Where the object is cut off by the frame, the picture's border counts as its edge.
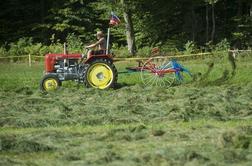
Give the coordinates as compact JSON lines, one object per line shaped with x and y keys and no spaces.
{"x":101,"y":44}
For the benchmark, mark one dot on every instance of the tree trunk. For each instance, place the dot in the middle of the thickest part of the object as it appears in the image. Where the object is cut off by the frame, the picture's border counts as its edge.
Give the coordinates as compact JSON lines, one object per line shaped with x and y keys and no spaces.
{"x":129,"y":29}
{"x":213,"y":21}
{"x":250,"y":10}
{"x":42,"y":11}
{"x":193,"y":23}
{"x":239,"y":11}
{"x":42,"y":19}
{"x":207,"y":23}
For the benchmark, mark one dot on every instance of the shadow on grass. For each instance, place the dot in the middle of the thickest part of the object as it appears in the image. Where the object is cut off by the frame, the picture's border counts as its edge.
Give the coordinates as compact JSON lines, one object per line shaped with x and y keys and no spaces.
{"x":122,"y":85}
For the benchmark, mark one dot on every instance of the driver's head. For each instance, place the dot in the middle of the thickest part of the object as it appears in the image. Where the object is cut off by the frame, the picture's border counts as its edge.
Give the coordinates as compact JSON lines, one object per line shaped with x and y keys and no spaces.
{"x":99,"y":34}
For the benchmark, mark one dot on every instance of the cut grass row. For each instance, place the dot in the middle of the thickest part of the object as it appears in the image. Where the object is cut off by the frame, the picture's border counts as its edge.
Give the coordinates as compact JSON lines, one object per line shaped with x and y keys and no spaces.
{"x":171,"y":143}
{"x":125,"y":105}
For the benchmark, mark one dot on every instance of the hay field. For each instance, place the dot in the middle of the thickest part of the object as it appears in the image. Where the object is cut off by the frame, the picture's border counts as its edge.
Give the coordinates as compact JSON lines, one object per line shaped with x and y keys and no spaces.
{"x":207,"y":120}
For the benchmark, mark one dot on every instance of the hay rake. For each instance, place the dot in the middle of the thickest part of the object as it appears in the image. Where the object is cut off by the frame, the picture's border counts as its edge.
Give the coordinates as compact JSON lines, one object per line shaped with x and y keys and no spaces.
{"x":156,"y":72}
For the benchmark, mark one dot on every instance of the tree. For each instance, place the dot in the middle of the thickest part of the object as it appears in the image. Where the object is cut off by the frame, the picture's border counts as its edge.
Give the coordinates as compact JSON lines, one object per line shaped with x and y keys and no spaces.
{"x":129,"y":28}
{"x":146,"y":22}
{"x":212,"y":3}
{"x":251,"y":9}
{"x":207,"y":22}
{"x":18,"y":19}
{"x":75,"y":16}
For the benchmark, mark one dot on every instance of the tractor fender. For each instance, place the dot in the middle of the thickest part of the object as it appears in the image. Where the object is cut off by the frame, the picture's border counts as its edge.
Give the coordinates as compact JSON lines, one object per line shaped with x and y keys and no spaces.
{"x":93,"y":58}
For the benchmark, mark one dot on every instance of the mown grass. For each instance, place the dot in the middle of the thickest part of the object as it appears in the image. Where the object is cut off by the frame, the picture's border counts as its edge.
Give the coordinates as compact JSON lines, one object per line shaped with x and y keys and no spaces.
{"x":204,"y":121}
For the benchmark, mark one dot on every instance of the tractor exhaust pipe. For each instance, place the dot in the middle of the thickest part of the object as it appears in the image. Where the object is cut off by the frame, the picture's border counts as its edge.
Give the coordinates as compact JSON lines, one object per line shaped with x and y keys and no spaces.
{"x":65,"y":49}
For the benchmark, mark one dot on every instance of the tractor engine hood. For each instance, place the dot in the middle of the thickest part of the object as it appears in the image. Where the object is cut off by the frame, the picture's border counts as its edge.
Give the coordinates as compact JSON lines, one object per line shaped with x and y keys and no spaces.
{"x":50,"y":60}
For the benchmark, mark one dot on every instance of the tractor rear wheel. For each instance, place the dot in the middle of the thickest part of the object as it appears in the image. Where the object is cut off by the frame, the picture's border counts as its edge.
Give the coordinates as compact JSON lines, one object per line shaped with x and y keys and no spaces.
{"x":100,"y":74}
{"x":50,"y":82}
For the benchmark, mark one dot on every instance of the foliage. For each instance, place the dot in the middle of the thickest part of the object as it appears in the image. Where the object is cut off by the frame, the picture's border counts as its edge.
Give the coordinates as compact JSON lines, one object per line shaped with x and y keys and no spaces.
{"x":74,"y":43}
{"x":190,"y":47}
{"x":55,"y":48}
{"x":3,"y":52}
{"x":120,"y":51}
{"x":167,"y":24}
{"x":123,"y":52}
{"x":144,"y":52}
{"x":171,"y":46}
{"x":71,"y":17}
{"x":25,"y":46}
{"x":223,"y":45}
{"x":20,"y":47}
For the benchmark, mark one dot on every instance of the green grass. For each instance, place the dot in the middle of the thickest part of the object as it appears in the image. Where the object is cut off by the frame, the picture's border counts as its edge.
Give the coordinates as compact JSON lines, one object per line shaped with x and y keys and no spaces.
{"x":206,"y":120}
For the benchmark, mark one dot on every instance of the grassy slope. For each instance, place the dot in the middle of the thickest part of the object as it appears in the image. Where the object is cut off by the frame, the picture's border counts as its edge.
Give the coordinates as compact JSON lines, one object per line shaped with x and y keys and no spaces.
{"x":206,"y":121}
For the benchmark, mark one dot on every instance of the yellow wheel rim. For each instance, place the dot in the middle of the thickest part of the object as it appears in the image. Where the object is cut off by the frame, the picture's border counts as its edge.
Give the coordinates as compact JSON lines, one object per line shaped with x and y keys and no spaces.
{"x":100,"y":76}
{"x":50,"y":84}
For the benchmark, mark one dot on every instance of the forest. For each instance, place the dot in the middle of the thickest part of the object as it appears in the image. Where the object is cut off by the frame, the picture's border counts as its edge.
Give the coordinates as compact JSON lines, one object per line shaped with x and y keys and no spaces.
{"x":144,"y":23}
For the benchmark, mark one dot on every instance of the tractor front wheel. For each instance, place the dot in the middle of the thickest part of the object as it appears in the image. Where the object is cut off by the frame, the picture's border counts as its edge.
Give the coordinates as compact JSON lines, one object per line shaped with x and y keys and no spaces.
{"x":101,"y":74}
{"x":50,"y":82}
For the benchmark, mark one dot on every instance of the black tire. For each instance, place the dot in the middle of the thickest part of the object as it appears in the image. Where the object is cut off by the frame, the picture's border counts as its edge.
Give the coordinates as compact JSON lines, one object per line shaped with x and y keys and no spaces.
{"x":106,"y":63}
{"x":54,"y":81}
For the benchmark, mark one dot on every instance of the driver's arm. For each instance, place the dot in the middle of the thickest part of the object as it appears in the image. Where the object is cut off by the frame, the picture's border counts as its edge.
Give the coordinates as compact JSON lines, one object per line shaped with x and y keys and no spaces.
{"x":95,"y":44}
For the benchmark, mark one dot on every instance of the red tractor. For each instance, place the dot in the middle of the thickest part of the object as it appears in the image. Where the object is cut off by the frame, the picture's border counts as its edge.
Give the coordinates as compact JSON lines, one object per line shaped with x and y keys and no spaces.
{"x":98,"y":71}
